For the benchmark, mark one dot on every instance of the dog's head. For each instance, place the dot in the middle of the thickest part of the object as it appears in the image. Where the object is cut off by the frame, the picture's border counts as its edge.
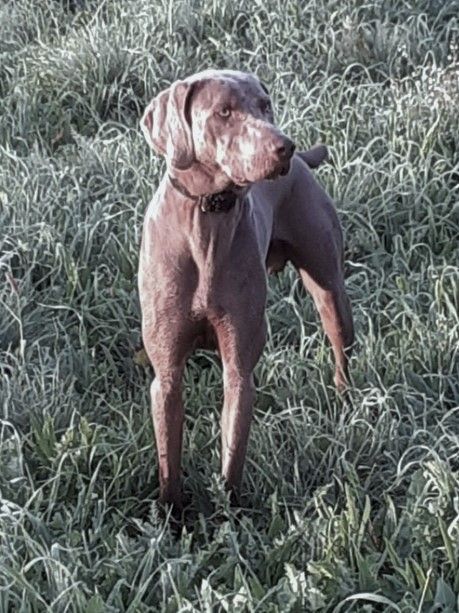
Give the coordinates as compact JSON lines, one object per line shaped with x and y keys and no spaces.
{"x":222,"y":120}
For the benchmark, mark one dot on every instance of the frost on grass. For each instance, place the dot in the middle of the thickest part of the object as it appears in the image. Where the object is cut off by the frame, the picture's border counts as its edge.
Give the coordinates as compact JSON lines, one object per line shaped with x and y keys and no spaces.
{"x":346,"y":504}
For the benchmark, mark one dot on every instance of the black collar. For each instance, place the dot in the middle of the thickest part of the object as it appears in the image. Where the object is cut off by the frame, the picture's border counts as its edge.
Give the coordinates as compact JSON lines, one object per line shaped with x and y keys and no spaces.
{"x":221,"y":202}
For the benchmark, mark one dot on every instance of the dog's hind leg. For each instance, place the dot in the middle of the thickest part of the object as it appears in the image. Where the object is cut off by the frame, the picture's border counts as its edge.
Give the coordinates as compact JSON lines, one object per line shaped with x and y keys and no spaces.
{"x":311,"y":235}
{"x":335,"y":313}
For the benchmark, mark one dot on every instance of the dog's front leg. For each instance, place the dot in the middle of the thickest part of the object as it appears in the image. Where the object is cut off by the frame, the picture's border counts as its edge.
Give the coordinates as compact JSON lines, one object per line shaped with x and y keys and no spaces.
{"x":167,"y":411}
{"x":236,"y":417}
{"x":240,"y":343}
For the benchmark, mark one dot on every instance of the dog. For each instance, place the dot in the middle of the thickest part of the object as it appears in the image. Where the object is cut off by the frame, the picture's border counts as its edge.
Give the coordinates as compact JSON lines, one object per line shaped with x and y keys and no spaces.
{"x":236,"y":202}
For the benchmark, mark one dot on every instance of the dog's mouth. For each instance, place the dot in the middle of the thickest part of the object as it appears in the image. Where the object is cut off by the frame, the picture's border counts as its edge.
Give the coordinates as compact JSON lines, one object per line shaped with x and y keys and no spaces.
{"x":285,"y":169}
{"x":240,"y":181}
{"x":280,"y":171}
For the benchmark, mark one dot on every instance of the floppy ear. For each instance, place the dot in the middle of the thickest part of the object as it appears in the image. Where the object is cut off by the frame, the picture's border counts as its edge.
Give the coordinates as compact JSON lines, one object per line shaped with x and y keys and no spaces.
{"x":153,"y":122}
{"x":167,"y":127}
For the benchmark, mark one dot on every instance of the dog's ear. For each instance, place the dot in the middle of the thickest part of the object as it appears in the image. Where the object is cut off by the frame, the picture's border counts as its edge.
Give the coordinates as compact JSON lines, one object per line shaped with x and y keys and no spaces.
{"x":153,"y":123}
{"x":166,"y":125}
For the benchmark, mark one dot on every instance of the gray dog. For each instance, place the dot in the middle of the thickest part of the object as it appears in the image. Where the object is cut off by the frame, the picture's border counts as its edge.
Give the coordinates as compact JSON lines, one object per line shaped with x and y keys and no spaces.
{"x":235,"y":202}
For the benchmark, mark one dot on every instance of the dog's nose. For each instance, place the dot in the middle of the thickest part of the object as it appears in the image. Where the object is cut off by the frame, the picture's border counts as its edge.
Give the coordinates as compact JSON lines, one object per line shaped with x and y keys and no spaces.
{"x":285,"y":148}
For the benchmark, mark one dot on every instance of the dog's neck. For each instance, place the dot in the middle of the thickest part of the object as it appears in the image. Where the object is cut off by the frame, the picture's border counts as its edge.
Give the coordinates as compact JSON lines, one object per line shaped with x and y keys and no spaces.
{"x":210,"y":188}
{"x":221,"y":202}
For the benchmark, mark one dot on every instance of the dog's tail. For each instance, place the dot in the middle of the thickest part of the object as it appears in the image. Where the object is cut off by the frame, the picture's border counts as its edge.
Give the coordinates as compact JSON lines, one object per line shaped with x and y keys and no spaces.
{"x":314,"y":156}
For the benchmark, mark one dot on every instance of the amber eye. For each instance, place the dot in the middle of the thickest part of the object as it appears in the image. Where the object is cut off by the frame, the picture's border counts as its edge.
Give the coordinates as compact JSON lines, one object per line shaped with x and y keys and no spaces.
{"x":225,"y":112}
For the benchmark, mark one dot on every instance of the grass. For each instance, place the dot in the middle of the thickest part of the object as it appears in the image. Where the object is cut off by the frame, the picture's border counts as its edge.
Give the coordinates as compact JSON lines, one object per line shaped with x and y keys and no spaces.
{"x":347,"y":506}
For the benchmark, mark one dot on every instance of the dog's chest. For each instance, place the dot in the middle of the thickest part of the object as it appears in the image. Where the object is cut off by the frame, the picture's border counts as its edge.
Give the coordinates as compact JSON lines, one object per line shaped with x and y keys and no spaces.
{"x":211,"y":266}
{"x":210,"y":243}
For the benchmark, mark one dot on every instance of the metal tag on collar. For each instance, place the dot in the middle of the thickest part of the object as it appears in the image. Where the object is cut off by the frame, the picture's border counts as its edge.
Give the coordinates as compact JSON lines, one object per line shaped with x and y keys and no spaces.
{"x":203,"y":203}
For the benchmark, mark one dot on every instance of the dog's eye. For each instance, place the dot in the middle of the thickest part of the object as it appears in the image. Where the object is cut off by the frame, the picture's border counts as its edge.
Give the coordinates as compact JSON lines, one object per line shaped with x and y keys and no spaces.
{"x":225,"y":112}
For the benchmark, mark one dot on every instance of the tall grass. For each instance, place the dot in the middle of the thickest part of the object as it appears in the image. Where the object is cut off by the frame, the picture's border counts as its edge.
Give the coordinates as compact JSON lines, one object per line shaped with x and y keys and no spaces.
{"x":347,"y":505}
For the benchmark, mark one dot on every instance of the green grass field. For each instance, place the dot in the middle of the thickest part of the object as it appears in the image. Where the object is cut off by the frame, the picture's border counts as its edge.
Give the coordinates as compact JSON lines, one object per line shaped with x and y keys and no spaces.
{"x":347,"y":506}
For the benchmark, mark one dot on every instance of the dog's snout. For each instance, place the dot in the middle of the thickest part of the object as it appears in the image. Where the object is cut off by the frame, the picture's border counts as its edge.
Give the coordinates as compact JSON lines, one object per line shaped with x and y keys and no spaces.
{"x":284,"y":148}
